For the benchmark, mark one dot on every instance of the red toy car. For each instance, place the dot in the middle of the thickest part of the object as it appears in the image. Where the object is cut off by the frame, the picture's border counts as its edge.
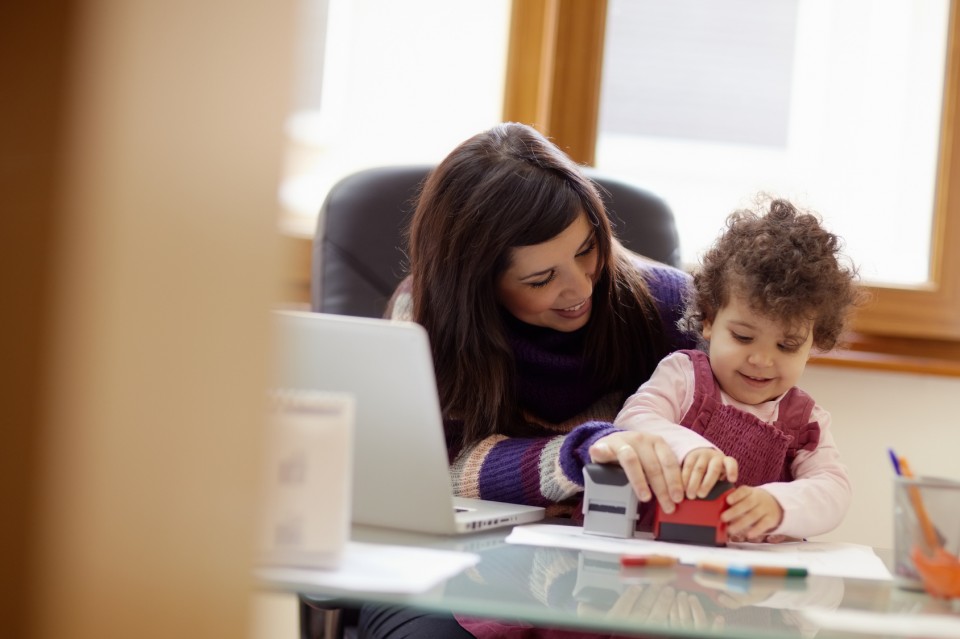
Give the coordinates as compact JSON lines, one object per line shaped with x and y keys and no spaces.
{"x":695,"y":521}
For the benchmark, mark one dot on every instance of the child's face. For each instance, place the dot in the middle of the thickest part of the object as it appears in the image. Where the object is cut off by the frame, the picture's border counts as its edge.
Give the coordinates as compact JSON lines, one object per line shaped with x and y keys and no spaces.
{"x":551,"y":284}
{"x":754,"y":358}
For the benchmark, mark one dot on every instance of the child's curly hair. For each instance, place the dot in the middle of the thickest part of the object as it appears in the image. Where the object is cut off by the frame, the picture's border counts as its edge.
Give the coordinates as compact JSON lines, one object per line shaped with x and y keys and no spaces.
{"x":785,"y":265}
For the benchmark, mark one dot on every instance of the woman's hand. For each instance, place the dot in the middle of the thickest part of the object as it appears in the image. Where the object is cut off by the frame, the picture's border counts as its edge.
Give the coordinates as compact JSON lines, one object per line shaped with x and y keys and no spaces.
{"x":702,"y":467}
{"x":649,"y":463}
{"x":751,"y":513}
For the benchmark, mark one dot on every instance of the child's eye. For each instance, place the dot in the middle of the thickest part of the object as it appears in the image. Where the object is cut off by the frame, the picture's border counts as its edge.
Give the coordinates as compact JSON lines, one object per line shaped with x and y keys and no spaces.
{"x":743,"y":339}
{"x":789,"y":347}
{"x":543,"y":282}
{"x":587,"y":250}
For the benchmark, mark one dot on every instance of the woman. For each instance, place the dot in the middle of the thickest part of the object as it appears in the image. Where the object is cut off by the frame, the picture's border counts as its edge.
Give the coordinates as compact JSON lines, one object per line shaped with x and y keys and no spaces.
{"x":541,"y":325}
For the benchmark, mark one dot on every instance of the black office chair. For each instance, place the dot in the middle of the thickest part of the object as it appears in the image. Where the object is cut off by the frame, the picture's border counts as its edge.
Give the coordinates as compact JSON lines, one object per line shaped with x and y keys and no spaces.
{"x":358,"y":261}
{"x":358,"y":247}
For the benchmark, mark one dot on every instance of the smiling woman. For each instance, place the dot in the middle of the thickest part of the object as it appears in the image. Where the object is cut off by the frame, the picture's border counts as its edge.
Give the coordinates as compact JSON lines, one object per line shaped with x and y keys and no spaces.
{"x":551,"y":284}
{"x":540,"y":323}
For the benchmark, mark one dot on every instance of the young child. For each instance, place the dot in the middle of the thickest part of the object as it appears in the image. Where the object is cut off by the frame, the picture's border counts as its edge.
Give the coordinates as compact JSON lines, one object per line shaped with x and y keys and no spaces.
{"x":771,"y":289}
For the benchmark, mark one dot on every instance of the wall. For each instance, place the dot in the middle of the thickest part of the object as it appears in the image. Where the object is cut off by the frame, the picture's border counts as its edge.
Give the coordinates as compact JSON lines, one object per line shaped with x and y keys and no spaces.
{"x":140,"y":160}
{"x":875,"y":410}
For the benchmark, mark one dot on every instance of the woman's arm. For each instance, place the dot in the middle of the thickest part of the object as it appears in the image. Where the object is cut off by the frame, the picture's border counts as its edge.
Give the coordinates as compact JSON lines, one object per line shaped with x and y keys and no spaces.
{"x":546,"y":470}
{"x":537,"y":470}
{"x":541,"y":469}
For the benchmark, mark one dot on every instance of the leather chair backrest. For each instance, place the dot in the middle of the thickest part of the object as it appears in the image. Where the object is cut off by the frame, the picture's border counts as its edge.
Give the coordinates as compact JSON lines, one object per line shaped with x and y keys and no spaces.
{"x":358,"y":254}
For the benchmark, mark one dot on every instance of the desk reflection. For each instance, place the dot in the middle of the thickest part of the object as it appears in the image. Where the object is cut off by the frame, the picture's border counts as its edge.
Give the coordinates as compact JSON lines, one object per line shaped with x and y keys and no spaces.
{"x":594,"y":588}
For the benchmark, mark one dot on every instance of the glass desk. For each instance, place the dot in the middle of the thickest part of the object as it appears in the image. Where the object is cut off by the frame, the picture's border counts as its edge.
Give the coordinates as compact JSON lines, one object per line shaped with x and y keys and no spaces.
{"x":588,"y":591}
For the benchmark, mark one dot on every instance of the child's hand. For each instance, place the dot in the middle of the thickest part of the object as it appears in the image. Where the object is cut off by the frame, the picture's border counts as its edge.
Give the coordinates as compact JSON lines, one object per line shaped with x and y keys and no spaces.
{"x":703,"y":467}
{"x":751,"y":513}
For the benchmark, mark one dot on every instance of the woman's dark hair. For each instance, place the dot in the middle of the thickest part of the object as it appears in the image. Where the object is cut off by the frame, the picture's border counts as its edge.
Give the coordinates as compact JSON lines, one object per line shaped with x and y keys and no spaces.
{"x":785,"y":265}
{"x":504,"y":188}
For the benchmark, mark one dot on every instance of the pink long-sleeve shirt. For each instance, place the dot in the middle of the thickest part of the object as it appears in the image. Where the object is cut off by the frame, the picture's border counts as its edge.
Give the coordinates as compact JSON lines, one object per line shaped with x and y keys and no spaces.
{"x":817,"y":499}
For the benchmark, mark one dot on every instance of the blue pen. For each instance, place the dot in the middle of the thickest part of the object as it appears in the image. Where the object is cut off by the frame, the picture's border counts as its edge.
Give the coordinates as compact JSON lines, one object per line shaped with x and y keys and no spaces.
{"x":895,"y":460}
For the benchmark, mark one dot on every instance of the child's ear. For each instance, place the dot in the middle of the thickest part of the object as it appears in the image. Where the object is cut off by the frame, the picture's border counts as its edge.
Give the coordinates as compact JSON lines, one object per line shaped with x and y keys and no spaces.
{"x":707,"y":329}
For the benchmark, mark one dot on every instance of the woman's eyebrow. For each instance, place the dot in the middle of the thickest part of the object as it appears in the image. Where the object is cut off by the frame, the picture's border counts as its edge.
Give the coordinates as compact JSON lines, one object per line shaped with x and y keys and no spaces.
{"x":589,"y":239}
{"x":583,"y":244}
{"x":538,"y":273}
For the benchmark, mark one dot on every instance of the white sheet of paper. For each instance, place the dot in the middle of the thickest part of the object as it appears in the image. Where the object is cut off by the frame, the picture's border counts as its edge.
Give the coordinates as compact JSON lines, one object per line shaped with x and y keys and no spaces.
{"x":375,"y":568}
{"x":877,"y":624}
{"x":818,"y":557}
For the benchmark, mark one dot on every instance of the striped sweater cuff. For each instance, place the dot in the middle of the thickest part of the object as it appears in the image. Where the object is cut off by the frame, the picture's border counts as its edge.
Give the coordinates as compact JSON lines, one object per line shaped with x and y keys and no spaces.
{"x":575,"y":452}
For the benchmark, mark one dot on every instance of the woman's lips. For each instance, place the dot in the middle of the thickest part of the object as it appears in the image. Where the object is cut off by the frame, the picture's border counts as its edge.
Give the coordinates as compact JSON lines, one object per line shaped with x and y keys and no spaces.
{"x":575,"y":311}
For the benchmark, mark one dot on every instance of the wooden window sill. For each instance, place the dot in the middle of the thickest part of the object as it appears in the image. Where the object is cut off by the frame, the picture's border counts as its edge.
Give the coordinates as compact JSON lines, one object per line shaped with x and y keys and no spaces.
{"x":899,"y":354}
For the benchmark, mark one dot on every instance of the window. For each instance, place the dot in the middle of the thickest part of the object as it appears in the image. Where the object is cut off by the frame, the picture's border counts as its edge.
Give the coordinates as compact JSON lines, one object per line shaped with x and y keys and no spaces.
{"x":833,"y":104}
{"x":801,"y":112}
{"x":384,"y":82}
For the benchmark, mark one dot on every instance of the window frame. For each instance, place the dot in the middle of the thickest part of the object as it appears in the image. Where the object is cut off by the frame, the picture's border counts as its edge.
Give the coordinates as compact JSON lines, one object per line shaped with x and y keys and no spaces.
{"x":553,"y":83}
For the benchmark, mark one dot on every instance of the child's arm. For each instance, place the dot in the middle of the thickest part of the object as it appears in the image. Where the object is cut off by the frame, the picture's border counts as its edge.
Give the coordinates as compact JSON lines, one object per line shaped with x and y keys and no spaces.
{"x":819,"y":495}
{"x":658,"y":406}
{"x":820,"y":479}
{"x":660,"y":403}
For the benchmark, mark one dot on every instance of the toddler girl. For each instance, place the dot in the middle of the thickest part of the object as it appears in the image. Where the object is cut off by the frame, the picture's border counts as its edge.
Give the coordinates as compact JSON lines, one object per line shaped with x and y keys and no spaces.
{"x":771,"y":290}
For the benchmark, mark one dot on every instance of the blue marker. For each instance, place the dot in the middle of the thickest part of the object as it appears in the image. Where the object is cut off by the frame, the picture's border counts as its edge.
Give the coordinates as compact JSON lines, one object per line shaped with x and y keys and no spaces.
{"x":895,"y":460}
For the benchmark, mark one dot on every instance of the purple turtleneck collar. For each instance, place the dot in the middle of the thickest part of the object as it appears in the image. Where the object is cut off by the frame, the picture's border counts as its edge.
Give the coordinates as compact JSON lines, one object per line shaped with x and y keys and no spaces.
{"x":554,"y":381}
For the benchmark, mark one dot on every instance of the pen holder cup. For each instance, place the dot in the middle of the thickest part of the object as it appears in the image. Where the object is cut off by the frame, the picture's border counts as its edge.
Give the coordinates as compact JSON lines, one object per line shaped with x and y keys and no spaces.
{"x":926,"y":539}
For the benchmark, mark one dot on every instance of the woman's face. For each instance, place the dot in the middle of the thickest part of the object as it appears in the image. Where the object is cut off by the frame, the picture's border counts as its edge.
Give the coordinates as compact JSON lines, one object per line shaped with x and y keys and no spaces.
{"x":551,"y":284}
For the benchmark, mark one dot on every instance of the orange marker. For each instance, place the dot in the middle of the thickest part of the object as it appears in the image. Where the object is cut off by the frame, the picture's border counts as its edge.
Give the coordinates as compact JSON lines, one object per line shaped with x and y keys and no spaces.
{"x":929,"y":534}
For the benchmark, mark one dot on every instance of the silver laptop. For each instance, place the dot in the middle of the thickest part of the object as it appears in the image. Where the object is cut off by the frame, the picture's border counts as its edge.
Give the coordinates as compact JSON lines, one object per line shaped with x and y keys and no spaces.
{"x":400,"y":475}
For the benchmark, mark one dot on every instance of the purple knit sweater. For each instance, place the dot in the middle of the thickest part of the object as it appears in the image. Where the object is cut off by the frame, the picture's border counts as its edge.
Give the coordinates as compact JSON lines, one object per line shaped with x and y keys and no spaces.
{"x":566,"y":410}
